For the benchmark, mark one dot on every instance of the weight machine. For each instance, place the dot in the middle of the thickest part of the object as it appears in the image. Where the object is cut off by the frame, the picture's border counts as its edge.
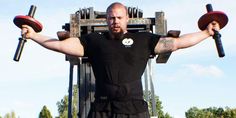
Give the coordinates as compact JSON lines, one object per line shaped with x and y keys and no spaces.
{"x":87,"y":20}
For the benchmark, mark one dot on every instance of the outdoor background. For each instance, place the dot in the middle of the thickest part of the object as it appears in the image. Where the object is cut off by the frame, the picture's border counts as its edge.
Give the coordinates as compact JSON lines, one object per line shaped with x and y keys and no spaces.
{"x":192,"y":77}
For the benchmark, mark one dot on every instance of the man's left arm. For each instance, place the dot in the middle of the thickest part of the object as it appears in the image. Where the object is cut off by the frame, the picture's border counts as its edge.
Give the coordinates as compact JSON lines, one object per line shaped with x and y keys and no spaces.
{"x":170,"y":44}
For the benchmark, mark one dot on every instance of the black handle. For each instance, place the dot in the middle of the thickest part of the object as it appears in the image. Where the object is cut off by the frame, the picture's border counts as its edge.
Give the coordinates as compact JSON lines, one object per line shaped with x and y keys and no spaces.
{"x":32,"y":11}
{"x":209,"y":8}
{"x":19,"y":49}
{"x":216,"y":36}
{"x":22,"y":40}
{"x":219,"y":46}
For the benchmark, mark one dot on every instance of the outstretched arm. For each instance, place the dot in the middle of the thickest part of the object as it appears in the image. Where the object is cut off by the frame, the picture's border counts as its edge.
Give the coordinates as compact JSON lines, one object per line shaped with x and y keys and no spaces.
{"x":70,"y":46}
{"x":169,"y":44}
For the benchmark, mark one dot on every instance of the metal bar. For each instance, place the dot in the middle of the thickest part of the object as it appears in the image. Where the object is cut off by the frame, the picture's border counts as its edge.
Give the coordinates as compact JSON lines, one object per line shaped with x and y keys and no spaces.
{"x":102,"y":22}
{"x":74,"y":25}
{"x":82,"y":91}
{"x":161,"y":29}
{"x":78,"y":83}
{"x":160,"y":23}
{"x":87,"y":79}
{"x":152,"y":89}
{"x":70,"y":91}
{"x":146,"y":83}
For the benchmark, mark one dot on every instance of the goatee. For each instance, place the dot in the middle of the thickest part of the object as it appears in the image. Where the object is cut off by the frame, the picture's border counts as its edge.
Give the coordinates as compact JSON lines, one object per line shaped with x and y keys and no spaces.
{"x":117,"y":35}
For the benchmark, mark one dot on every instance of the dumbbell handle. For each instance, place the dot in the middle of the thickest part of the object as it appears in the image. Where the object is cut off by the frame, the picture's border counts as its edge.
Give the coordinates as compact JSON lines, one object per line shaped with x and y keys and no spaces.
{"x":19,"y":49}
{"x":32,"y":11}
{"x":217,"y":36}
{"x":219,"y":45}
{"x":22,"y":40}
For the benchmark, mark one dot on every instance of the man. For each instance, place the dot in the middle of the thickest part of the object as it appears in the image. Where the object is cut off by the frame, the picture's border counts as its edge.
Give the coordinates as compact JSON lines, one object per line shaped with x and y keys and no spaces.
{"x":118,"y":59}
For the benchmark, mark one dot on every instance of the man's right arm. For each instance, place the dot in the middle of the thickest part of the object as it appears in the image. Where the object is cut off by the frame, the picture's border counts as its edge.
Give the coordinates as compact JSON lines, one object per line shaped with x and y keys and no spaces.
{"x":70,"y":46}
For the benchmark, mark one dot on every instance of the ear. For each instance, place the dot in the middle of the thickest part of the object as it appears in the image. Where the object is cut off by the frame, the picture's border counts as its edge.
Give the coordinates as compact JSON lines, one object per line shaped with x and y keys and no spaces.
{"x":127,"y":17}
{"x":107,"y":19}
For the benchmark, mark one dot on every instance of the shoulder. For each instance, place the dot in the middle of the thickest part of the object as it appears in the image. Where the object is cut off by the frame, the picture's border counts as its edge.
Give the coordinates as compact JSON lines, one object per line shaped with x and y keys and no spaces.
{"x":146,"y":34}
{"x":92,"y":35}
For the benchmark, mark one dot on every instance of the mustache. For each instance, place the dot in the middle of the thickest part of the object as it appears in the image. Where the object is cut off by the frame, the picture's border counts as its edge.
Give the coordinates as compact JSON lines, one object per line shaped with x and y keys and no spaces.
{"x":115,"y":26}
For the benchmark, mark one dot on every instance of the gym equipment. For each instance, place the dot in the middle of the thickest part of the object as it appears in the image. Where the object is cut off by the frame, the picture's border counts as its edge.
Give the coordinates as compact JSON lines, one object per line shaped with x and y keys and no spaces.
{"x":26,"y":20}
{"x":219,"y":17}
{"x":87,"y":20}
{"x":62,"y":35}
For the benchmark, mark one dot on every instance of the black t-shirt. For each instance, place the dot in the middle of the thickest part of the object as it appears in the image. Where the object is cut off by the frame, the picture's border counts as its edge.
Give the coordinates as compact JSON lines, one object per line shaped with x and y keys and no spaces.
{"x":119,"y":64}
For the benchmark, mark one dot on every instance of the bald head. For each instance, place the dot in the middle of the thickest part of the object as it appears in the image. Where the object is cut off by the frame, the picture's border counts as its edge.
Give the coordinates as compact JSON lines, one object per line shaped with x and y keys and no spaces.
{"x":116,"y":5}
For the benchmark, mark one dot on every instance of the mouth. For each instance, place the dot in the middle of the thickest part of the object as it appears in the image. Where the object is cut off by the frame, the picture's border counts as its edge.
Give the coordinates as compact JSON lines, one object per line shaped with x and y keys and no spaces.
{"x":115,"y":29}
{"x":115,"y":26}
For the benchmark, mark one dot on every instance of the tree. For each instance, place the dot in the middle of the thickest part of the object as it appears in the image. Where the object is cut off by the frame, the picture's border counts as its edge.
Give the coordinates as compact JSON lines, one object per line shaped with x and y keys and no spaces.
{"x":63,"y":104}
{"x":10,"y":115}
{"x":229,"y":113}
{"x":45,"y":113}
{"x":159,"y":107}
{"x":63,"y":107}
{"x":211,"y":112}
{"x":192,"y":112}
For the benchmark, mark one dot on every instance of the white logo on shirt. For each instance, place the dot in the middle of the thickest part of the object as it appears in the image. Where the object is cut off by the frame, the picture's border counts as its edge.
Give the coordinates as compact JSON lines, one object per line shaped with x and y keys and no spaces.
{"x":127,"y":42}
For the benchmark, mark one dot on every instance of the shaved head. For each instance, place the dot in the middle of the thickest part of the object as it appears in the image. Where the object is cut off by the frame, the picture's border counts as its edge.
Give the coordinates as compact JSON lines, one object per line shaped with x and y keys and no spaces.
{"x":116,"y":5}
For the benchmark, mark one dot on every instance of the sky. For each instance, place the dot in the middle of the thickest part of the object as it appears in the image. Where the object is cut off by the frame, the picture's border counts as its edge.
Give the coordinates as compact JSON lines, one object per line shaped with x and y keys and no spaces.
{"x":192,"y":77}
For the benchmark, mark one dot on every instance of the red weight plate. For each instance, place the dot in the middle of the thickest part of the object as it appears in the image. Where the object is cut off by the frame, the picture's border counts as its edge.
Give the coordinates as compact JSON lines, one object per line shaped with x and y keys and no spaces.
{"x":27,"y":20}
{"x":207,"y":18}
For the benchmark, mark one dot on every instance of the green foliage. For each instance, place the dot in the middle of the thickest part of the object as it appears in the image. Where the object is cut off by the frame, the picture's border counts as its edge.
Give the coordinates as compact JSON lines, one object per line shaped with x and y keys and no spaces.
{"x":211,"y":112}
{"x":63,"y":104}
{"x":159,"y":107}
{"x":9,"y":115}
{"x":63,"y":107}
{"x":45,"y":113}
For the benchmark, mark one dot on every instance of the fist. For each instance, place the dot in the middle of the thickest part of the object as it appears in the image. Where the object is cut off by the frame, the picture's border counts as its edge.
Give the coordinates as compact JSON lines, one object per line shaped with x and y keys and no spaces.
{"x":213,"y":26}
{"x":27,"y":31}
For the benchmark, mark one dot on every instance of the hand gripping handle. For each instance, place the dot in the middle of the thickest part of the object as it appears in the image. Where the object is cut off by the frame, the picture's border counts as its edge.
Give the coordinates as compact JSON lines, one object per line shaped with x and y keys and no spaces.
{"x":217,"y":36}
{"x":22,"y":40}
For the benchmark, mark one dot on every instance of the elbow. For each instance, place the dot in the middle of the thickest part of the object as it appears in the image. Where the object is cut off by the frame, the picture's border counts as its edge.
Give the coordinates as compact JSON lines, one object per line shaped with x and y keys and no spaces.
{"x":79,"y":52}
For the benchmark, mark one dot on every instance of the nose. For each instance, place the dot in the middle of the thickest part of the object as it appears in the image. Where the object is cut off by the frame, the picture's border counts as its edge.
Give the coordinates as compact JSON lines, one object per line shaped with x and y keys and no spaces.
{"x":116,"y":20}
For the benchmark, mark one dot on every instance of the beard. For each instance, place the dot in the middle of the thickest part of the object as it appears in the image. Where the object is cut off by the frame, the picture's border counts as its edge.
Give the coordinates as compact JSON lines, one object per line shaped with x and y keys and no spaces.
{"x":117,"y":35}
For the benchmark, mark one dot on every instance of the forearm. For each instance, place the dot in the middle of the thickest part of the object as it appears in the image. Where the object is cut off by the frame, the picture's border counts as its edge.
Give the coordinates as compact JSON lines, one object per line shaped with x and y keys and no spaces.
{"x":70,"y":46}
{"x":47,"y":42}
{"x":169,"y":44}
{"x":191,"y":39}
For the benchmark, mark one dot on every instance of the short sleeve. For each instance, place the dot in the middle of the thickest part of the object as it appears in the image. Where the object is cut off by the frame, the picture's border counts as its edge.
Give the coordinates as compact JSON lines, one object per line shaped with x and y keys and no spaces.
{"x":90,"y":43}
{"x":83,"y":41}
{"x":154,"y":38}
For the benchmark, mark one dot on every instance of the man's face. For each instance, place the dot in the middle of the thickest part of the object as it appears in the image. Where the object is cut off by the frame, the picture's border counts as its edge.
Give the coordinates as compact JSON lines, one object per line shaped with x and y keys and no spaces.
{"x":117,"y":20}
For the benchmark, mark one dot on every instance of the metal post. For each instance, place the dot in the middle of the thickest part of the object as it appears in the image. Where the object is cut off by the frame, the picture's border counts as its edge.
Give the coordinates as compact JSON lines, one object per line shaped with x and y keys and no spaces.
{"x":146,"y":84}
{"x":78,"y":83}
{"x":152,"y":89}
{"x":70,"y":91}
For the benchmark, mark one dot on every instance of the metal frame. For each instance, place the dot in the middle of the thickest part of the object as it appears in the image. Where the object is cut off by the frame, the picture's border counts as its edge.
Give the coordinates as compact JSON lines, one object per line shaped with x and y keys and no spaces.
{"x":87,"y":20}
